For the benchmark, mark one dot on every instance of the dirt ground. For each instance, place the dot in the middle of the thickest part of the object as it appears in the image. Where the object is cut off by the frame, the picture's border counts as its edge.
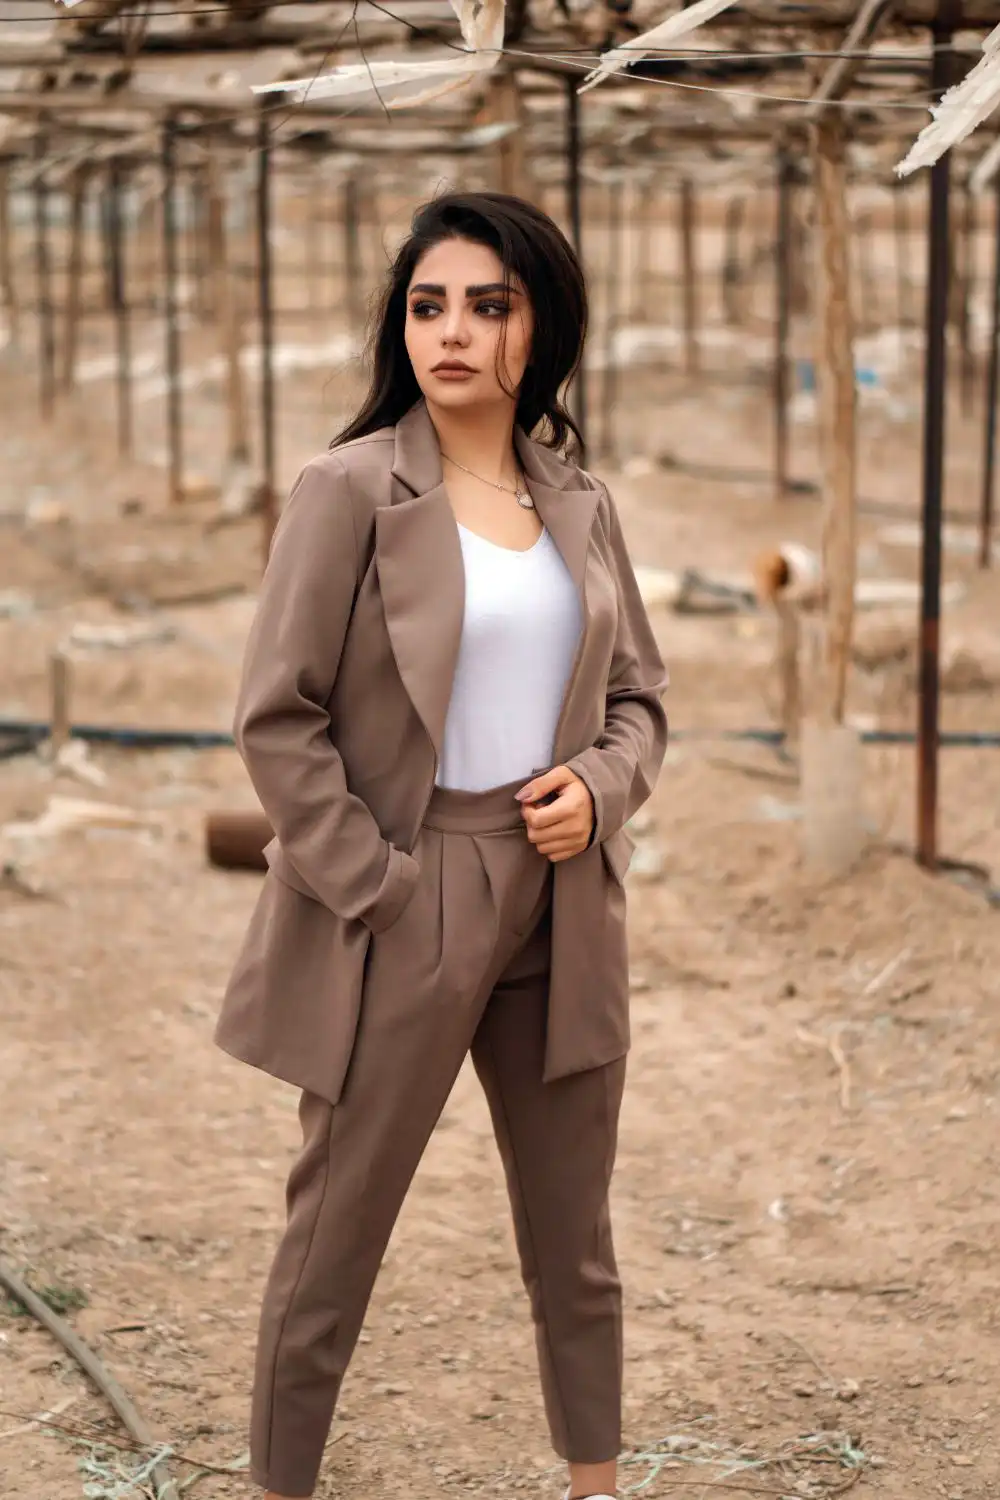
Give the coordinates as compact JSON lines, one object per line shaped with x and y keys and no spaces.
{"x":806,"y":1198}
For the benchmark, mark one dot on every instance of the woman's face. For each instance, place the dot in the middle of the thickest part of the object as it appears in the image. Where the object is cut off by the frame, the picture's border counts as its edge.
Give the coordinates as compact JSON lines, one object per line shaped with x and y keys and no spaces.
{"x":468,"y":338}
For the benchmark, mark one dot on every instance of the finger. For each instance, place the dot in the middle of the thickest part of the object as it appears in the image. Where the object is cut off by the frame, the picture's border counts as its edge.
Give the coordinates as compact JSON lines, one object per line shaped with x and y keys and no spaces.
{"x":561,"y":846}
{"x":573,"y":830}
{"x":551,"y":816}
{"x":559,"y":776}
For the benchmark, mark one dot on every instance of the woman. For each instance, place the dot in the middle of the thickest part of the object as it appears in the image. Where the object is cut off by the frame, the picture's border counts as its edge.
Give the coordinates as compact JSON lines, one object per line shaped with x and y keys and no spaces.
{"x":450,"y":707}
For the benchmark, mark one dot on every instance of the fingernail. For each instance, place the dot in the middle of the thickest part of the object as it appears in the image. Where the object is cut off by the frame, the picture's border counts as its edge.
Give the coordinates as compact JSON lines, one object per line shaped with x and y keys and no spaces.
{"x":524,"y":794}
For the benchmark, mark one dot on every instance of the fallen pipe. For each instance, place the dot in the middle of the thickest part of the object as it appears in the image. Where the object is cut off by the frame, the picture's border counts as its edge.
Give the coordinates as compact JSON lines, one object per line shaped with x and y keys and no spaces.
{"x":236,"y":840}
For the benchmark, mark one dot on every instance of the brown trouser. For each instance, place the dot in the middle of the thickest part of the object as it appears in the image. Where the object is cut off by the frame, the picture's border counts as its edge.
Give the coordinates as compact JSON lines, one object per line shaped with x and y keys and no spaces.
{"x":466,"y":965}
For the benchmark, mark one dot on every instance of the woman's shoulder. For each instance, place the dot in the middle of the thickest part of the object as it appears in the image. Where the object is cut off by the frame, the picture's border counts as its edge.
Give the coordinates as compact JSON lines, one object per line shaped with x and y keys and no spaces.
{"x":361,"y":466}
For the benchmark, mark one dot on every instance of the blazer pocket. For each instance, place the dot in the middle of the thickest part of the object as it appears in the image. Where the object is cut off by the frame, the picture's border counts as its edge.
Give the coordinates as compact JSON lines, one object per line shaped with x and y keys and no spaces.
{"x":618,"y":849}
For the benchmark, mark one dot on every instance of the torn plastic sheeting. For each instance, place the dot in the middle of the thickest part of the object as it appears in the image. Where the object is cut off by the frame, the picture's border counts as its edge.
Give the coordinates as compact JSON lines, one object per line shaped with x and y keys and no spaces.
{"x":681,"y":23}
{"x":960,"y":110}
{"x":393,"y":82}
{"x":406,"y":84}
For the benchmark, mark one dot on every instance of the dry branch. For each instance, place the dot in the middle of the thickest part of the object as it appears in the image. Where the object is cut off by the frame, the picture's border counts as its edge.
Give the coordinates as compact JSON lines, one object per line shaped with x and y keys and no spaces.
{"x":131,"y":1420}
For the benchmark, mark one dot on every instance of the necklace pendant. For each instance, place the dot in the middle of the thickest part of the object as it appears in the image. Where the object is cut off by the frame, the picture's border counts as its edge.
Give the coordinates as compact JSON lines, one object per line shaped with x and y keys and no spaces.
{"x":524,"y":500}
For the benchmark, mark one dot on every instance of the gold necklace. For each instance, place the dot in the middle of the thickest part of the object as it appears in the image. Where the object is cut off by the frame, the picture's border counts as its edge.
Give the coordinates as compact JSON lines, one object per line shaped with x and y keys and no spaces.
{"x":519,"y":491}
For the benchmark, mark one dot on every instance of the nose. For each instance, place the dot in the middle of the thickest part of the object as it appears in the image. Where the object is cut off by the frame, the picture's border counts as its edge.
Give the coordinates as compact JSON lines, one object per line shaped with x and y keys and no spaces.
{"x":454,"y":327}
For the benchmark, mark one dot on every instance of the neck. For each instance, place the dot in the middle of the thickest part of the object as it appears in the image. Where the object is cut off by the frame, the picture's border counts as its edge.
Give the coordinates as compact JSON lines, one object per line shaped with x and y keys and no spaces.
{"x":482,"y":440}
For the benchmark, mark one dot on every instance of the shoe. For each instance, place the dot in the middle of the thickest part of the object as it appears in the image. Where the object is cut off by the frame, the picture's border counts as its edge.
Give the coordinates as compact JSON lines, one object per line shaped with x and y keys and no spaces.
{"x":590,"y":1497}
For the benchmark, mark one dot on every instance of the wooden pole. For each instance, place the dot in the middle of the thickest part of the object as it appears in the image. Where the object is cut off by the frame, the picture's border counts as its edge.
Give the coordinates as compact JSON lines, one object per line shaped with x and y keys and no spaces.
{"x":967,"y":282}
{"x":689,"y":273}
{"x":992,"y":396}
{"x":836,"y":395}
{"x":229,"y":317}
{"x":8,"y":292}
{"x":170,"y":314}
{"x":574,"y":205}
{"x":311,"y":245}
{"x":782,"y":321}
{"x":265,"y":284}
{"x":74,"y":277}
{"x":613,"y":303}
{"x":120,"y":302}
{"x":735,"y":213}
{"x":43,"y":283}
{"x":350,"y":207}
{"x":901,"y":236}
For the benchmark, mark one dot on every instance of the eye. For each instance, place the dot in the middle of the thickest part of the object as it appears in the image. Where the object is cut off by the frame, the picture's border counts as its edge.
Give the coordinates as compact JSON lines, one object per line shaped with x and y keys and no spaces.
{"x":423,"y":309}
{"x":492,"y":308}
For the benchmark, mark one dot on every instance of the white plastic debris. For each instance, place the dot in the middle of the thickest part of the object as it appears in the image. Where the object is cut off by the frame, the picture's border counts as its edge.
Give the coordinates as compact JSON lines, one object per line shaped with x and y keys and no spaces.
{"x":405,"y":84}
{"x":960,"y":110}
{"x":681,"y":23}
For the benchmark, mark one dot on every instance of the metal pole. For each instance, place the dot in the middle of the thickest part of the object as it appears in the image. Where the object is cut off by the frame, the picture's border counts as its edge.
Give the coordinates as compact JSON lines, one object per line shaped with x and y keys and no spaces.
{"x":782,"y":323}
{"x":173,"y":349}
{"x":266,"y":312}
{"x":119,"y":299}
{"x":943,"y":73}
{"x":992,"y":392}
{"x":43,"y":272}
{"x":576,"y":231}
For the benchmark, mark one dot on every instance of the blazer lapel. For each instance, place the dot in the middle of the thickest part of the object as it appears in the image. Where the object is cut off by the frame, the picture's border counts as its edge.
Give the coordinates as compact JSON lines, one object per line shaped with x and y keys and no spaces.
{"x":421,"y":576}
{"x":567,"y":514}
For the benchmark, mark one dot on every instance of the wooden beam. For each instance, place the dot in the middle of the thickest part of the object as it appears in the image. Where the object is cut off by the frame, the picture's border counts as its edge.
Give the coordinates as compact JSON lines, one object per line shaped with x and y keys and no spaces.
{"x":838,"y":78}
{"x":835,"y":386}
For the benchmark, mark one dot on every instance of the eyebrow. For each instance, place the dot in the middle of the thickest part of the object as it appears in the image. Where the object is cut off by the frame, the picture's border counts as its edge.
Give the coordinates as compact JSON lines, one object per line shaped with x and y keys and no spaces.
{"x":435,"y":290}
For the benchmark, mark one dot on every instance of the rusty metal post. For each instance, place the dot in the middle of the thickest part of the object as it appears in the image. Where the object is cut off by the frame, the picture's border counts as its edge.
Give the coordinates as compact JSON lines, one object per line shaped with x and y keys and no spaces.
{"x":992,"y":394}
{"x":943,"y":74}
{"x":574,"y":209}
{"x":265,"y":307}
{"x":170,"y":311}
{"x":43,"y":286}
{"x":120,"y":305}
{"x":782,"y":321}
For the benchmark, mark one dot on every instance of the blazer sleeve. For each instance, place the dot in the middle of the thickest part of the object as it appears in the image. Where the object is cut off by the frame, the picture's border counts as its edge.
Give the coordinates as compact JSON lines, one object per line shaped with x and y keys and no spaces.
{"x":620,"y":770}
{"x":282,"y":725}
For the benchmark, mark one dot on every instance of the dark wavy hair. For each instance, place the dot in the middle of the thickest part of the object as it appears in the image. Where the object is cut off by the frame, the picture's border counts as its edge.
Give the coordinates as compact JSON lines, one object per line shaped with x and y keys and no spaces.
{"x":534,"y":251}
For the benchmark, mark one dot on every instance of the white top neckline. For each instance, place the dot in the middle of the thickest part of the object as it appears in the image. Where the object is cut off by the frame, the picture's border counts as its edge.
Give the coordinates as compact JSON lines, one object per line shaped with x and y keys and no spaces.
{"x":499,"y":547}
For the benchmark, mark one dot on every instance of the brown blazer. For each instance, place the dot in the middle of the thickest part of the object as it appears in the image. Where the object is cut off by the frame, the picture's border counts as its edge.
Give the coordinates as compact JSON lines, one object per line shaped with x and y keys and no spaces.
{"x":340,"y":719}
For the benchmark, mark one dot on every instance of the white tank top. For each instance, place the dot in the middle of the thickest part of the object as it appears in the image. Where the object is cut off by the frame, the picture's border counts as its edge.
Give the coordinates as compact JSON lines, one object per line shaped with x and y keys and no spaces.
{"x":519,"y":639}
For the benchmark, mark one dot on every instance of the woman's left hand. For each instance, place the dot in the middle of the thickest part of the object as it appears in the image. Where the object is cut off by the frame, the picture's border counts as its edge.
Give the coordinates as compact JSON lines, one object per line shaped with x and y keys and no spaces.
{"x":561,"y":828}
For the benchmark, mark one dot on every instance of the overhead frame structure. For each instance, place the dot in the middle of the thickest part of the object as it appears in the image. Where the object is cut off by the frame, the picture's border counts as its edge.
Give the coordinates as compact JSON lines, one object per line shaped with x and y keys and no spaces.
{"x":761,"y":93}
